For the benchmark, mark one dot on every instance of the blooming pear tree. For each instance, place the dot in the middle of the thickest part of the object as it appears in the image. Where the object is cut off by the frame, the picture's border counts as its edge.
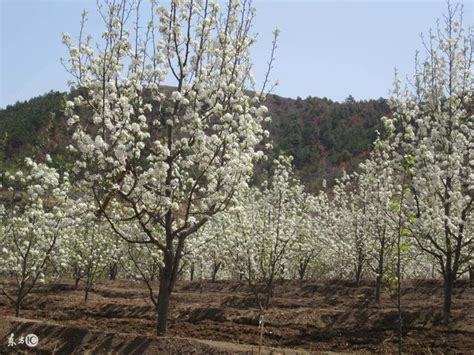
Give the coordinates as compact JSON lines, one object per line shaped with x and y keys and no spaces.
{"x":306,"y":255}
{"x":89,"y":246}
{"x":349,"y":208}
{"x":240,"y":244}
{"x":208,"y":244}
{"x":376,"y":179}
{"x":165,"y":158}
{"x":33,"y":215}
{"x":268,"y":224}
{"x":338,"y":255}
{"x":435,"y":136}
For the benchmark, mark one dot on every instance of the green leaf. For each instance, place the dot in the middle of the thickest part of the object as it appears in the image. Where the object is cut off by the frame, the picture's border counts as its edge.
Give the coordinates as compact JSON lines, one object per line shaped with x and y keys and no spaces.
{"x":394,"y":206}
{"x":406,"y":232}
{"x":404,"y":247}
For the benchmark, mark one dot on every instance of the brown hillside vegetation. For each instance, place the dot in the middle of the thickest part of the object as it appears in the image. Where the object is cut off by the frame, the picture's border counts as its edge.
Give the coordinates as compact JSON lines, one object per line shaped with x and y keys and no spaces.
{"x":222,"y":317}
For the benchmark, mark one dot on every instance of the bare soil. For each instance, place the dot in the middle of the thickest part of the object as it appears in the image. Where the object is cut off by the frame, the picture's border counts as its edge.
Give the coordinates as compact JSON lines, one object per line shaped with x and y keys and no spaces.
{"x":223,"y":317}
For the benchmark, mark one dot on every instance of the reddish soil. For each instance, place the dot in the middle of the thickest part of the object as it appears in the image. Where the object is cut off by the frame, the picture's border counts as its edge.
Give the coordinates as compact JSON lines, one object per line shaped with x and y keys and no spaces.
{"x":221,"y":317}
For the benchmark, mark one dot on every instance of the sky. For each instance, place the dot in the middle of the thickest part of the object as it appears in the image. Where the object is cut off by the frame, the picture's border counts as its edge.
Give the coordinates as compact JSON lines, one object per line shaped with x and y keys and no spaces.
{"x":332,"y":48}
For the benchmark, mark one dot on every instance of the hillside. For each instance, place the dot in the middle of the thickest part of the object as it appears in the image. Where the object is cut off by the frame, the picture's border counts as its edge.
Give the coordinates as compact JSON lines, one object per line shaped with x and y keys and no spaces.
{"x":322,"y":135}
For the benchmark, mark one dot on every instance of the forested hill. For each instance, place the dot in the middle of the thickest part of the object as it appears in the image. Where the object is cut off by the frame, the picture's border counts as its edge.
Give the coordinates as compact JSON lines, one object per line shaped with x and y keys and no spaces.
{"x":323,"y":136}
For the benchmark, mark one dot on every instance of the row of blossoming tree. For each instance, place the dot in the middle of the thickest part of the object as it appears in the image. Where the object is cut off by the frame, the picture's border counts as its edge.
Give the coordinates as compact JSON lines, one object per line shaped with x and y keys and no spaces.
{"x":163,"y":187}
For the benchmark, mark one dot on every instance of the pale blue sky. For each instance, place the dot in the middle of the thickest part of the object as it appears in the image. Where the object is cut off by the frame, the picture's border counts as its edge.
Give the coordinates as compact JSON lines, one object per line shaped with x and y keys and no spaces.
{"x":327,"y":48}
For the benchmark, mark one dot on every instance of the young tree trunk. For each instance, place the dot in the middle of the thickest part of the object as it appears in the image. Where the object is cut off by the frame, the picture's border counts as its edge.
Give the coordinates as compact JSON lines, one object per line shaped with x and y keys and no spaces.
{"x":192,"y":272}
{"x":87,"y":288}
{"x":360,"y":257}
{"x":303,"y":266}
{"x":17,"y":306}
{"x":471,"y":276}
{"x":215,"y":270}
{"x":378,"y":286}
{"x":301,"y":273}
{"x":19,"y":298}
{"x":168,"y":276}
{"x":89,"y":281}
{"x":113,"y":271}
{"x":358,"y":273}
{"x":269,"y":293}
{"x":448,"y":295}
{"x":378,"y":282}
{"x":77,"y":276}
{"x":399,"y":294}
{"x":164,"y":300}
{"x":17,"y":309}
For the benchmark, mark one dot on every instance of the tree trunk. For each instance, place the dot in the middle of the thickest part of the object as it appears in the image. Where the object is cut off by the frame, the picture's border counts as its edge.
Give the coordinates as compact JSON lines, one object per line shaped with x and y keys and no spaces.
{"x":448,"y":295}
{"x":19,"y":298}
{"x":87,"y":288}
{"x":77,"y":276}
{"x":192,"y":272}
{"x":166,"y":285}
{"x":303,"y":266}
{"x":301,"y":274}
{"x":378,"y":282}
{"x":163,"y":307}
{"x":269,"y":293}
{"x":89,"y":281}
{"x":113,"y":271}
{"x":17,"y":307}
{"x":471,"y":276}
{"x":378,"y":286}
{"x":215,"y":270}
{"x":358,"y":273}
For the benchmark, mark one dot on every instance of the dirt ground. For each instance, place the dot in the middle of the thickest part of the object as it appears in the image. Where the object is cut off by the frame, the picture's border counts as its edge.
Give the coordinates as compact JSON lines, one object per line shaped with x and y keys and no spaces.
{"x":222,"y":317}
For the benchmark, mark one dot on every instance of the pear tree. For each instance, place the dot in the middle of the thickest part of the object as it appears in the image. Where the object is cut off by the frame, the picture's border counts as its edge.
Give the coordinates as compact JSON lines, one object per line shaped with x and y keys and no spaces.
{"x":165,"y":158}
